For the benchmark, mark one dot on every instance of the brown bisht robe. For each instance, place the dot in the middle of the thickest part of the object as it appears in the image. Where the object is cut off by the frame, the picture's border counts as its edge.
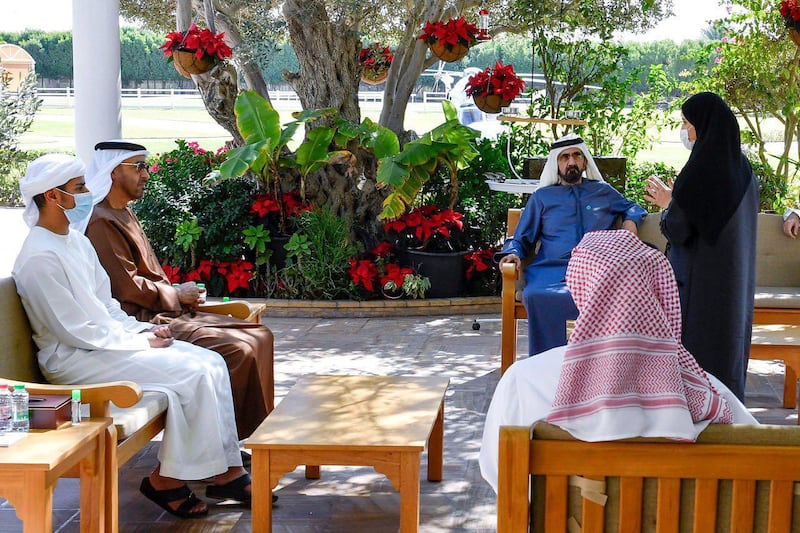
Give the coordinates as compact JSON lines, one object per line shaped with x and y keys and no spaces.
{"x":144,"y":291}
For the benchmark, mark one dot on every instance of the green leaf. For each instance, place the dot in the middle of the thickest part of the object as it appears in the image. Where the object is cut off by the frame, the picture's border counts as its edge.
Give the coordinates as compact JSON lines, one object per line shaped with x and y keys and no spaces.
{"x":256,"y":119}
{"x":390,"y":172}
{"x":238,"y":161}
{"x":314,"y":150}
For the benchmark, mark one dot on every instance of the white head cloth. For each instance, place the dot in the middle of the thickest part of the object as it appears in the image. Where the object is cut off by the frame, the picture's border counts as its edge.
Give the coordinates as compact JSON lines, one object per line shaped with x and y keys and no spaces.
{"x":550,"y":171}
{"x":43,"y":174}
{"x":107,"y":156}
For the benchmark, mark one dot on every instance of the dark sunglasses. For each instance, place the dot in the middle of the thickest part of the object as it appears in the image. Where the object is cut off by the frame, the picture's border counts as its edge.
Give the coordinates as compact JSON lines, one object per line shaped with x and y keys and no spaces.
{"x":140,"y":165}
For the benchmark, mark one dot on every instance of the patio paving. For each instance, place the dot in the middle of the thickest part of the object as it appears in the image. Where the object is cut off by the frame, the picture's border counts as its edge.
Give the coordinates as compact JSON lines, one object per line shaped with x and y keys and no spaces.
{"x":358,"y":498}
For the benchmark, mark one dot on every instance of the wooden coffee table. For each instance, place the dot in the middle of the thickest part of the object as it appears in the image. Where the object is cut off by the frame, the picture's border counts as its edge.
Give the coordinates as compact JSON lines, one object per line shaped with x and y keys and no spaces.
{"x":30,"y":468}
{"x":378,"y":421}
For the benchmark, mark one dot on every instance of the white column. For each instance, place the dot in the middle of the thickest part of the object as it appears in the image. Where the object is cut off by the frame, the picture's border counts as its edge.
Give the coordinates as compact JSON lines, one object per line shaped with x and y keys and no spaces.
{"x":96,"y":69}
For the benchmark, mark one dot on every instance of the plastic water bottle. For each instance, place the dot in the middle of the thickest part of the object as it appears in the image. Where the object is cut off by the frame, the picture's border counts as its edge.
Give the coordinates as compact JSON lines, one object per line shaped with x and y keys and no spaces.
{"x":19,"y":409}
{"x":5,"y":409}
{"x":76,"y":407}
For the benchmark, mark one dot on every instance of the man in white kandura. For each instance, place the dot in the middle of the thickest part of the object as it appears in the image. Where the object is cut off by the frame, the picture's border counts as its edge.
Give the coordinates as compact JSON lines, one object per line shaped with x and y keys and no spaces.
{"x":83,"y":336}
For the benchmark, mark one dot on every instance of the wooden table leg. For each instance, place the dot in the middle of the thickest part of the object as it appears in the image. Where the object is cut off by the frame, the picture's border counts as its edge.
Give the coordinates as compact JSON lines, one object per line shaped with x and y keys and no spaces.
{"x":312,"y":472}
{"x":36,"y":505}
{"x":789,"y":386}
{"x":435,"y":447}
{"x":409,"y":492}
{"x":111,"y":482}
{"x":93,"y":495}
{"x":262,"y":491}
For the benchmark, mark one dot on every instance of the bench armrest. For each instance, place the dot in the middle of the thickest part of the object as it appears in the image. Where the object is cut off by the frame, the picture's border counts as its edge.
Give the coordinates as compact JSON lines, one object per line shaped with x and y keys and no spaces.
{"x":236,"y":308}
{"x":510,"y":277}
{"x":98,"y":395}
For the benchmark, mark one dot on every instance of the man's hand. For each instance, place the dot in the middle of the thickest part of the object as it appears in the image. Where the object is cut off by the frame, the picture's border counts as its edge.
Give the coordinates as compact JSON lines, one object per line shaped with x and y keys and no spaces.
{"x":657,"y":192}
{"x":161,"y":337}
{"x":188,"y":294}
{"x":512,"y":258}
{"x":791,"y":225}
{"x":630,"y":225}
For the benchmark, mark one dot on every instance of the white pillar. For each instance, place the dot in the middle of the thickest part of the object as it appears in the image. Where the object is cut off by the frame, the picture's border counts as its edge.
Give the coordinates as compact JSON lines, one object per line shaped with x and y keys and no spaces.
{"x":96,"y":69}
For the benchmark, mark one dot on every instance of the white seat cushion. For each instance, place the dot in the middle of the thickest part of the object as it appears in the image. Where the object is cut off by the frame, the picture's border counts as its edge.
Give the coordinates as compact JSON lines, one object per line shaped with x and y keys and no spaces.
{"x":130,"y":419}
{"x":780,"y":297}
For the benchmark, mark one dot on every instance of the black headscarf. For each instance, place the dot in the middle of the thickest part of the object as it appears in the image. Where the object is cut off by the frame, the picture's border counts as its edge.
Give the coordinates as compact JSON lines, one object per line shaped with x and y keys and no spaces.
{"x":711,"y":185}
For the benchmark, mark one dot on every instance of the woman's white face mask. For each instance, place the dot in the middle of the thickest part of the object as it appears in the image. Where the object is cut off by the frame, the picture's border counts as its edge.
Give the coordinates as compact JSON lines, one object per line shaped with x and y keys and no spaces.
{"x":685,"y":139}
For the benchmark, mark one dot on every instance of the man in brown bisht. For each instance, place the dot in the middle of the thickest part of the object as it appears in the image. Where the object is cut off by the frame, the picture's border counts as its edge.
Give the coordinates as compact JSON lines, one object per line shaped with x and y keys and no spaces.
{"x":117,"y":176}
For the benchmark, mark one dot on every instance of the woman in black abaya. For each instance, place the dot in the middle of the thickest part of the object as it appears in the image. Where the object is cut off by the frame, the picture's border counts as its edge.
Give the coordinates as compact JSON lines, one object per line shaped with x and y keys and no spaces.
{"x":709,"y":220}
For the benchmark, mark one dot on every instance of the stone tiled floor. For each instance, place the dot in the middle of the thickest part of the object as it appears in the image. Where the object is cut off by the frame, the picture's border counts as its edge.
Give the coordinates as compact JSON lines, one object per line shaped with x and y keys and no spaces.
{"x":359,"y":499}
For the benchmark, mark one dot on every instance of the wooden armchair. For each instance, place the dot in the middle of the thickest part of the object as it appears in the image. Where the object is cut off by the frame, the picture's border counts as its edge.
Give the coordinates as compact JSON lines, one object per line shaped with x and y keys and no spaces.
{"x":235,"y":308}
{"x":510,"y":302}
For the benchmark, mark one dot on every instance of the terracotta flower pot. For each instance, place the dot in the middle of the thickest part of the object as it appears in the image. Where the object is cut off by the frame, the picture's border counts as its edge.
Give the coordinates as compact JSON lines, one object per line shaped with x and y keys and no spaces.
{"x":455,"y":53}
{"x":186,"y":63}
{"x":795,"y":36}
{"x":374,"y":76}
{"x":490,"y":103}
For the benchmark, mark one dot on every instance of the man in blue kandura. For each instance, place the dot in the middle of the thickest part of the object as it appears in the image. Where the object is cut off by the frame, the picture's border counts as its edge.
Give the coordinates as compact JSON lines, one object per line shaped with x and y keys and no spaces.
{"x":572,"y":200}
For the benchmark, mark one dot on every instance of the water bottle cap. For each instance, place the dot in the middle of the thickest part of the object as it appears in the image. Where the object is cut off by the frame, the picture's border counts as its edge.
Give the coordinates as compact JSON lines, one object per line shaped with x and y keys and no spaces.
{"x":176,"y":285}
{"x":201,"y":285}
{"x":19,"y":387}
{"x":76,"y":394}
{"x":226,"y":298}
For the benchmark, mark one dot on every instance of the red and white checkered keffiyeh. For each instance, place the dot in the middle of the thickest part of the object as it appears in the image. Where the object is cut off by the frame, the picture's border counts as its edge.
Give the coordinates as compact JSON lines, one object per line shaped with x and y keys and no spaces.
{"x":625,"y":371}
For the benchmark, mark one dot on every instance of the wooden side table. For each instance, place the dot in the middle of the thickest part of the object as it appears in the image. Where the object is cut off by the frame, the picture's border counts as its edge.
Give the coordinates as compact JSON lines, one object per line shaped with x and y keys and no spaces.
{"x":31,"y":467}
{"x":378,"y":421}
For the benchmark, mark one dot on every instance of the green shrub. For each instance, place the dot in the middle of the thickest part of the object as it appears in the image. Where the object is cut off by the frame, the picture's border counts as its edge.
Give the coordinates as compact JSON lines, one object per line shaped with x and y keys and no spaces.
{"x":637,"y":174}
{"x":773,"y":189}
{"x":13,"y":163}
{"x":319,"y":257}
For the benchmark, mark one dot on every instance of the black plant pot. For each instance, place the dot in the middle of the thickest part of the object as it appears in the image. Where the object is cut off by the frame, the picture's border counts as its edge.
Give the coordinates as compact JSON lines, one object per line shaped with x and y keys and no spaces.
{"x":445,"y":270}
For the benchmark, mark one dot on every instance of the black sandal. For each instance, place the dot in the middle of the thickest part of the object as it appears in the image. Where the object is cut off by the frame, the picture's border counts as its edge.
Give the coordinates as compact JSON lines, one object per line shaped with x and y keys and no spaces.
{"x":163,"y":498}
{"x":232,"y":490}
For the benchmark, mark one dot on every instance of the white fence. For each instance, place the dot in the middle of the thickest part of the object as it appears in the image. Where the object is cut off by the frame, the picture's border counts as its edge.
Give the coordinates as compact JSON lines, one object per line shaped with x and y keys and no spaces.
{"x":190,"y":98}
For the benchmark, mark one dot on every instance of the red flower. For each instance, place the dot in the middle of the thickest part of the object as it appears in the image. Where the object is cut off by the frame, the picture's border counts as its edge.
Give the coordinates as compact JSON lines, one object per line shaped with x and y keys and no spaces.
{"x":383,"y":249}
{"x":173,"y":273}
{"x":363,"y":272}
{"x":423,"y":223}
{"x":264,"y":204}
{"x":451,"y":33}
{"x":377,"y":56}
{"x":500,"y":80}
{"x":193,"y":275}
{"x":395,"y":273}
{"x":204,"y":43}
{"x":479,"y":260}
{"x":239,"y":276}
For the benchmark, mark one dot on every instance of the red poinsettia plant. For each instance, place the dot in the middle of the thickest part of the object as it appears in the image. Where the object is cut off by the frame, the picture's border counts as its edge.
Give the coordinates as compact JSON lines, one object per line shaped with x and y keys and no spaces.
{"x":226,"y":277}
{"x":450,"y":33}
{"x":376,"y":59}
{"x":204,"y":43}
{"x":430,"y":229}
{"x":379,"y":271}
{"x":500,"y":80}
{"x":276,"y":213}
{"x":790,"y":11}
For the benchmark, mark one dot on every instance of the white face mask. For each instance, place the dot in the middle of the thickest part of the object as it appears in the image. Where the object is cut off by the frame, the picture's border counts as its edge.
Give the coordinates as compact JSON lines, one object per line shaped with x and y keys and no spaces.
{"x":685,"y":139}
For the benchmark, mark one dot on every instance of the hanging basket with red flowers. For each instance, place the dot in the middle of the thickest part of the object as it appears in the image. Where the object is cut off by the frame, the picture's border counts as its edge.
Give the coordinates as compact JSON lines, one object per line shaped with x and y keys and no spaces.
{"x":451,"y":40}
{"x":495,"y":87}
{"x":376,"y":60}
{"x":790,"y":11}
{"x":195,"y":51}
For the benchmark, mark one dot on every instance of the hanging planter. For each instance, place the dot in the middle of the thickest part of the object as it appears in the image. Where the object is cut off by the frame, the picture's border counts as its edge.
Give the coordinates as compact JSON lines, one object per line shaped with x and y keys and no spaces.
{"x":790,"y":11}
{"x":451,"y":40}
{"x":195,"y":51}
{"x":494,"y":88}
{"x":490,"y":103}
{"x":376,"y":60}
{"x":186,"y":63}
{"x":453,"y":53}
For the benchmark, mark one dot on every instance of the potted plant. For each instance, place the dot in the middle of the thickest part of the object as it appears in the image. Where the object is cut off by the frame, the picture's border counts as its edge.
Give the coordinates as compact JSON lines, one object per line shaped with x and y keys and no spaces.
{"x":195,"y":51}
{"x":376,"y":60}
{"x":432,"y":241}
{"x":451,"y":40}
{"x":790,"y":11}
{"x":494,"y":88}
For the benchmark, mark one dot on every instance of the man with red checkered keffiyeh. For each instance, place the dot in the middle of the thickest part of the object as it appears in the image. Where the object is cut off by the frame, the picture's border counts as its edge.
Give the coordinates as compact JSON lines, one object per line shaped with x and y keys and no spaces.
{"x":624,"y":372}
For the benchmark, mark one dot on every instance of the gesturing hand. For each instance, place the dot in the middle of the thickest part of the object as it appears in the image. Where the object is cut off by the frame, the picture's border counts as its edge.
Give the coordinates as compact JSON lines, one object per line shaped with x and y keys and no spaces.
{"x":657,"y":192}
